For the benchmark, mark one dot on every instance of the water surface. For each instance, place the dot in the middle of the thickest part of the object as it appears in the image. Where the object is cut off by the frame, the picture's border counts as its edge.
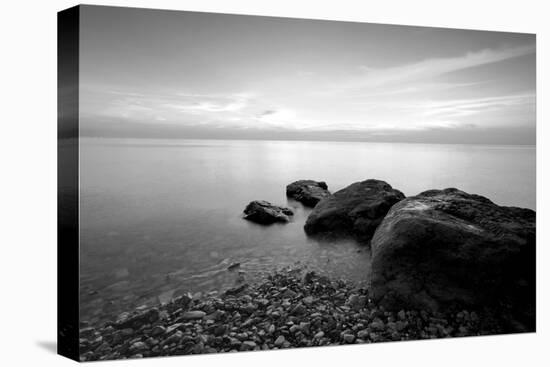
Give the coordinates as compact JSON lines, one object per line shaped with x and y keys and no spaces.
{"x":163,"y":217}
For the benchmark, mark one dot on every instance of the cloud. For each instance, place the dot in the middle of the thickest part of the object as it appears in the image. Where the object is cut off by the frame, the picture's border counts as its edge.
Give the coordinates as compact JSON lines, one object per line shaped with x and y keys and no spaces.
{"x":422,"y":113}
{"x":419,"y":87}
{"x":429,"y":68}
{"x":164,"y":105}
{"x":415,"y":97}
{"x":467,"y":107}
{"x":213,"y":103}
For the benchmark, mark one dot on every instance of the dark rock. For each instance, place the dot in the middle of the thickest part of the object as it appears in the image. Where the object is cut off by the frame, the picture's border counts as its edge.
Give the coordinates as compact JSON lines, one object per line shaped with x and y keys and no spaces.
{"x":182,"y":301}
{"x":308,"y":192}
{"x":219,"y":330}
{"x":363,"y":334}
{"x":174,"y":338}
{"x":236,"y":290}
{"x":263,"y":212}
{"x":357,"y":302}
{"x":447,"y":247}
{"x":87,"y":332}
{"x":308,"y":277}
{"x":279,"y":341}
{"x":288,"y":293}
{"x":158,"y":330}
{"x":305,"y":327}
{"x":353,"y":211}
{"x":173,"y":327}
{"x":294,"y":328}
{"x":377,"y":325}
{"x":400,"y":325}
{"x":401,"y":314}
{"x":298,"y":310}
{"x":248,"y":345}
{"x":138,"y":347}
{"x":135,"y":321}
{"x":234,"y":342}
{"x":214,"y":316}
{"x":349,"y":338}
{"x":127,"y":332}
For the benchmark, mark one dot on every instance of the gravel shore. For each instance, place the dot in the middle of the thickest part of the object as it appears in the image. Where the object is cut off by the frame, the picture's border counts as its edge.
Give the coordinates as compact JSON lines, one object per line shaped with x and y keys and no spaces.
{"x":293,"y":308}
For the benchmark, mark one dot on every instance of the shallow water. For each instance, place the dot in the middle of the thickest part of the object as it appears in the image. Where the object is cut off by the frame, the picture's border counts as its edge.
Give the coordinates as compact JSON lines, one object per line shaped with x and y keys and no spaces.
{"x":163,"y":217}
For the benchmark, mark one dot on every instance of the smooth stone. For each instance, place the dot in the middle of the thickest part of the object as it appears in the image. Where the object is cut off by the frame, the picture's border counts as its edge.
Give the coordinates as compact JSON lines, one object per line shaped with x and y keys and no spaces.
{"x":248,"y":345}
{"x":279,"y":341}
{"x":173,"y":327}
{"x":363,"y":334}
{"x":127,"y":331}
{"x":377,"y":325}
{"x":174,"y":337}
{"x":440,"y":248}
{"x":193,"y":315}
{"x":158,"y":330}
{"x":355,"y":211}
{"x":308,"y":192}
{"x":138,"y":347}
{"x":349,"y":338}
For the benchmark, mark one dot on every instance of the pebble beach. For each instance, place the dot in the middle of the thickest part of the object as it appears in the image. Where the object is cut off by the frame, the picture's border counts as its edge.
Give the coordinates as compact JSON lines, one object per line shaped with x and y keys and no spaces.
{"x":291,"y":308}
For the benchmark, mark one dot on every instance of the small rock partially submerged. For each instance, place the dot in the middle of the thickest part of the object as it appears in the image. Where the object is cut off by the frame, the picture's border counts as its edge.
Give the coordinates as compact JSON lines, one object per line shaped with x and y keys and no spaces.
{"x":446,"y":247}
{"x":233,"y":266}
{"x":308,"y":192}
{"x":263,"y":212}
{"x":354,"y":211}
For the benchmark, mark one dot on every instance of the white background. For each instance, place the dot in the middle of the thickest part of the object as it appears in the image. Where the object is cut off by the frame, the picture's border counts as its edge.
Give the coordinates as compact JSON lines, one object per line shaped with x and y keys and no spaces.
{"x":28,"y":181}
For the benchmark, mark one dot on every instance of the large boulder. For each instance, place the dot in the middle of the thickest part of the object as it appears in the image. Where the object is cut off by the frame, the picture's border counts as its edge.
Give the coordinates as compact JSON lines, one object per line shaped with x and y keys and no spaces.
{"x":308,"y":192}
{"x":354,"y":211}
{"x":263,"y":212}
{"x":445,"y":248}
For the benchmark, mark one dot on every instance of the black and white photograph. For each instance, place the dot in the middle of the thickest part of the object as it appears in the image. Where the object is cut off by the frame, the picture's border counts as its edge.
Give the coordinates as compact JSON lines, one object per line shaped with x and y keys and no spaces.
{"x":275,"y":183}
{"x":254,"y":183}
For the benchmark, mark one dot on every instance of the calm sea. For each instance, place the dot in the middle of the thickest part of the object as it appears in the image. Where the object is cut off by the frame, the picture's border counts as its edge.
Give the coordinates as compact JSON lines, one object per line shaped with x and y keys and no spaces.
{"x":160,"y":218}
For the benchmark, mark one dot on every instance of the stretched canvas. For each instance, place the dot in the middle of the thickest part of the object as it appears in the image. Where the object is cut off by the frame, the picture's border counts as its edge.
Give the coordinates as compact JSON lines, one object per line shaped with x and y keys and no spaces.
{"x":232,"y":183}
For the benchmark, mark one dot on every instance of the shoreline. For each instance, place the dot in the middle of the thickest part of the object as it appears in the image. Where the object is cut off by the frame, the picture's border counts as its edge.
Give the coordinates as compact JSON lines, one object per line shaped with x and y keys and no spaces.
{"x":291,"y":308}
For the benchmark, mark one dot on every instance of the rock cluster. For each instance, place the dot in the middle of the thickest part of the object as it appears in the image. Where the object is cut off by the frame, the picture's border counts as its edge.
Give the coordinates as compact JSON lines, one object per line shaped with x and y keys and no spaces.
{"x":308,"y":192}
{"x":288,"y":309}
{"x":438,"y":249}
{"x":263,"y":212}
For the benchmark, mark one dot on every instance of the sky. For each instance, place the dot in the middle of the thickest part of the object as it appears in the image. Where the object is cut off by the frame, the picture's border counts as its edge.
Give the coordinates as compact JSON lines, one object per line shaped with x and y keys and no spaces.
{"x":172,"y":74}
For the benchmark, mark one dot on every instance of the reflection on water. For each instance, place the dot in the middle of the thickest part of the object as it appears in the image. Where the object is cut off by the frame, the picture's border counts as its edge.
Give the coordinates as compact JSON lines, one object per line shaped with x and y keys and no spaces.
{"x":161,"y":218}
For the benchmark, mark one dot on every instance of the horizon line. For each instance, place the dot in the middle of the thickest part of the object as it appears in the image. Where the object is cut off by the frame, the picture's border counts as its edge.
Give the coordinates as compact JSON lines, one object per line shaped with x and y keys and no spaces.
{"x":298,"y":140}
